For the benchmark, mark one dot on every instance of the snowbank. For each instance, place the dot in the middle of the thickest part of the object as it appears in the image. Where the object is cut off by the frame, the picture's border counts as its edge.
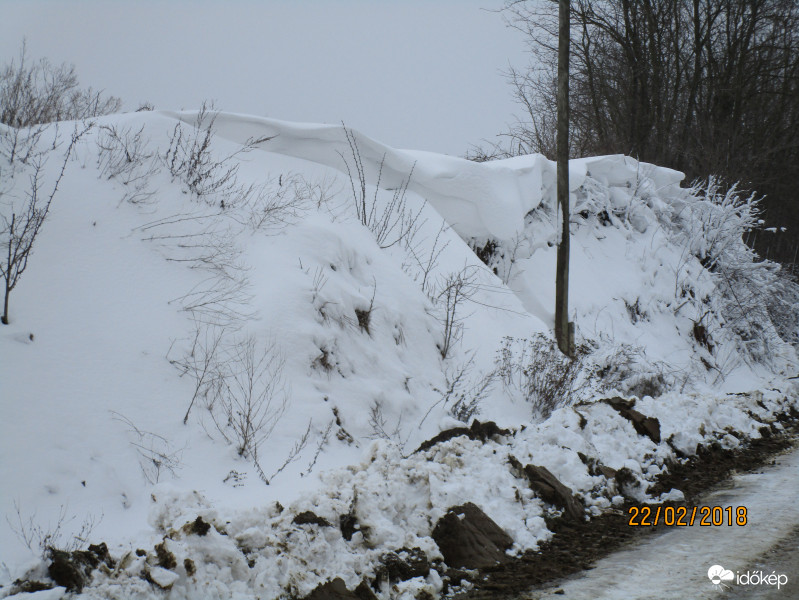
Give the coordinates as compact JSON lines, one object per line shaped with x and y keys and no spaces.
{"x":126,"y":363}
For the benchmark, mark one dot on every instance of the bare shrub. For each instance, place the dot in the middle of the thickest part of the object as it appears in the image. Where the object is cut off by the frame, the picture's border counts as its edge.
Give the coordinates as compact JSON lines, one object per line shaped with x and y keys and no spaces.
{"x":423,"y":266}
{"x":251,"y":397}
{"x":320,"y":445}
{"x":268,"y":206}
{"x":624,"y":368}
{"x":205,"y":241}
{"x":463,"y":392}
{"x":123,"y":155}
{"x":40,"y":538}
{"x":241,"y":385}
{"x":380,"y":427}
{"x":155,"y":452}
{"x":120,"y":150}
{"x":453,"y":290}
{"x":315,"y":192}
{"x":222,"y":299}
{"x":710,"y":226}
{"x":31,"y":94}
{"x":200,"y":240}
{"x":467,"y":394}
{"x":189,"y":159}
{"x":539,"y":372}
{"x":22,"y":224}
{"x":392,"y":223}
{"x":202,"y":363}
{"x":22,"y":146}
{"x":293,"y":455}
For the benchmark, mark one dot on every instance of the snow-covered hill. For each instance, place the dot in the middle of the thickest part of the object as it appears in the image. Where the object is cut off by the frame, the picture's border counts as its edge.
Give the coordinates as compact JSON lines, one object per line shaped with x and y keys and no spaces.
{"x":224,"y":315}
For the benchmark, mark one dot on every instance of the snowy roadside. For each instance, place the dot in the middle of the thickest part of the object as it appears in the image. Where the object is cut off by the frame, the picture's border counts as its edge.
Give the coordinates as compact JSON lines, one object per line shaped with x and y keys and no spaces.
{"x":761,"y":550}
{"x":391,"y":503}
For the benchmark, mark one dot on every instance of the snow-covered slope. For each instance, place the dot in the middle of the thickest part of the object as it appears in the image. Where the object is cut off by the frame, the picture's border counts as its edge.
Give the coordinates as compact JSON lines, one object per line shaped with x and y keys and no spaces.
{"x":208,"y":328}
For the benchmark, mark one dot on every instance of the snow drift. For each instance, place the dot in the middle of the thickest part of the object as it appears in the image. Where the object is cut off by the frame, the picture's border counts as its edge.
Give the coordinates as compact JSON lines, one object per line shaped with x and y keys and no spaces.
{"x":242,"y":319}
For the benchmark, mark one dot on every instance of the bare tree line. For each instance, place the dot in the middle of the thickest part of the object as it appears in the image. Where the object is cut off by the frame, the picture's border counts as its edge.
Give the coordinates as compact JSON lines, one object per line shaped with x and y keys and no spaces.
{"x":708,"y":87}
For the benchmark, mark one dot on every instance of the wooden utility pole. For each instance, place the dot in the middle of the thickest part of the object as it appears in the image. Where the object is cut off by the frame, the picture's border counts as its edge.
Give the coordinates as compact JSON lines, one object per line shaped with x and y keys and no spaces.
{"x":564,"y":330}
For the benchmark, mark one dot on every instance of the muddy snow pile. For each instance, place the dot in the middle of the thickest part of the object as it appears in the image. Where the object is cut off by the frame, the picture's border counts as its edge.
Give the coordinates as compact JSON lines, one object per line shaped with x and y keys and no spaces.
{"x":378,"y":528}
{"x":248,"y":355}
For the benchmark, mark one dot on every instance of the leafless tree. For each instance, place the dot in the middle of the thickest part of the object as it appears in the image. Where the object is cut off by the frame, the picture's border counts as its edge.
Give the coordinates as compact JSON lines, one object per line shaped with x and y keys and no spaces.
{"x":709,"y":87}
{"x":22,"y":224}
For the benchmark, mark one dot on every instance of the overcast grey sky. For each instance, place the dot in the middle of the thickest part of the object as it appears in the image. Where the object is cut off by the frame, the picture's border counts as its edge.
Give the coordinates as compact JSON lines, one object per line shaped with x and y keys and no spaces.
{"x":422,"y":74}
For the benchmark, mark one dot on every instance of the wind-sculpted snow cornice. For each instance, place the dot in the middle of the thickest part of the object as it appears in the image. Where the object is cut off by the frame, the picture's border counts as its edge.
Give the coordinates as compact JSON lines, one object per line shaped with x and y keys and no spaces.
{"x":476,"y":199}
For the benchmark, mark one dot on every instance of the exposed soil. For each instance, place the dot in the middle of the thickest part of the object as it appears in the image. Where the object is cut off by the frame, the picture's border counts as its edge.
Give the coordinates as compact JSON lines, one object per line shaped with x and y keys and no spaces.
{"x":576,"y":546}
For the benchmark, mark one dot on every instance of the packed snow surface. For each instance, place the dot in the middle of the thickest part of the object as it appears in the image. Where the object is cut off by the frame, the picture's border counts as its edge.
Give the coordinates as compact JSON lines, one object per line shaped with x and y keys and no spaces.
{"x":276,"y":326}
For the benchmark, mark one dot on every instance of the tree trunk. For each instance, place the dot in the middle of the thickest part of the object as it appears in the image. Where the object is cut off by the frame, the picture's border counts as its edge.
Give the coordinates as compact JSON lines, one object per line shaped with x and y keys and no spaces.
{"x":563,"y":329}
{"x":4,"y":318}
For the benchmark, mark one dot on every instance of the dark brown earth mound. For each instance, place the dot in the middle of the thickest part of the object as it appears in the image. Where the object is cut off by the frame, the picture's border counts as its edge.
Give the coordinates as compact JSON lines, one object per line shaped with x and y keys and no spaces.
{"x":550,"y":489}
{"x":469,"y":539}
{"x":477,"y":431}
{"x":337,"y":590}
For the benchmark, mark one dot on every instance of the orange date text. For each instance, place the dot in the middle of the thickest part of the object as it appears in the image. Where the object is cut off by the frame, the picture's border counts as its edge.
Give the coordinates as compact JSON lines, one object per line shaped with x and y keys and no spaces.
{"x":686,"y":516}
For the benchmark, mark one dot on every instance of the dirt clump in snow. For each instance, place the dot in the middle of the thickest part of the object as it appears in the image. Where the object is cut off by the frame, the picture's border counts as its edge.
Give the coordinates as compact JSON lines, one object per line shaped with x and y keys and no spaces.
{"x":197,"y":527}
{"x":348,"y":523}
{"x":550,"y":489}
{"x":72,"y":570}
{"x":29,"y":587}
{"x":477,"y":431}
{"x":190,"y":567}
{"x":402,"y":565}
{"x":468,"y":538}
{"x":166,"y":559}
{"x":646,"y":426}
{"x":309,"y":517}
{"x":337,"y":590}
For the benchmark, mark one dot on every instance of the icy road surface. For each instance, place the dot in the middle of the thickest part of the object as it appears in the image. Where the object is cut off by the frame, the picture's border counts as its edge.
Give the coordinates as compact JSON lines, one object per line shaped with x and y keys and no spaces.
{"x":674,"y":564}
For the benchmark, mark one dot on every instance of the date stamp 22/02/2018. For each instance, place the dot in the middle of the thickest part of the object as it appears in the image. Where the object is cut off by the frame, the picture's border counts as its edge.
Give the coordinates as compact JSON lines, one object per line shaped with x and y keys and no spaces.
{"x":686,"y":516}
